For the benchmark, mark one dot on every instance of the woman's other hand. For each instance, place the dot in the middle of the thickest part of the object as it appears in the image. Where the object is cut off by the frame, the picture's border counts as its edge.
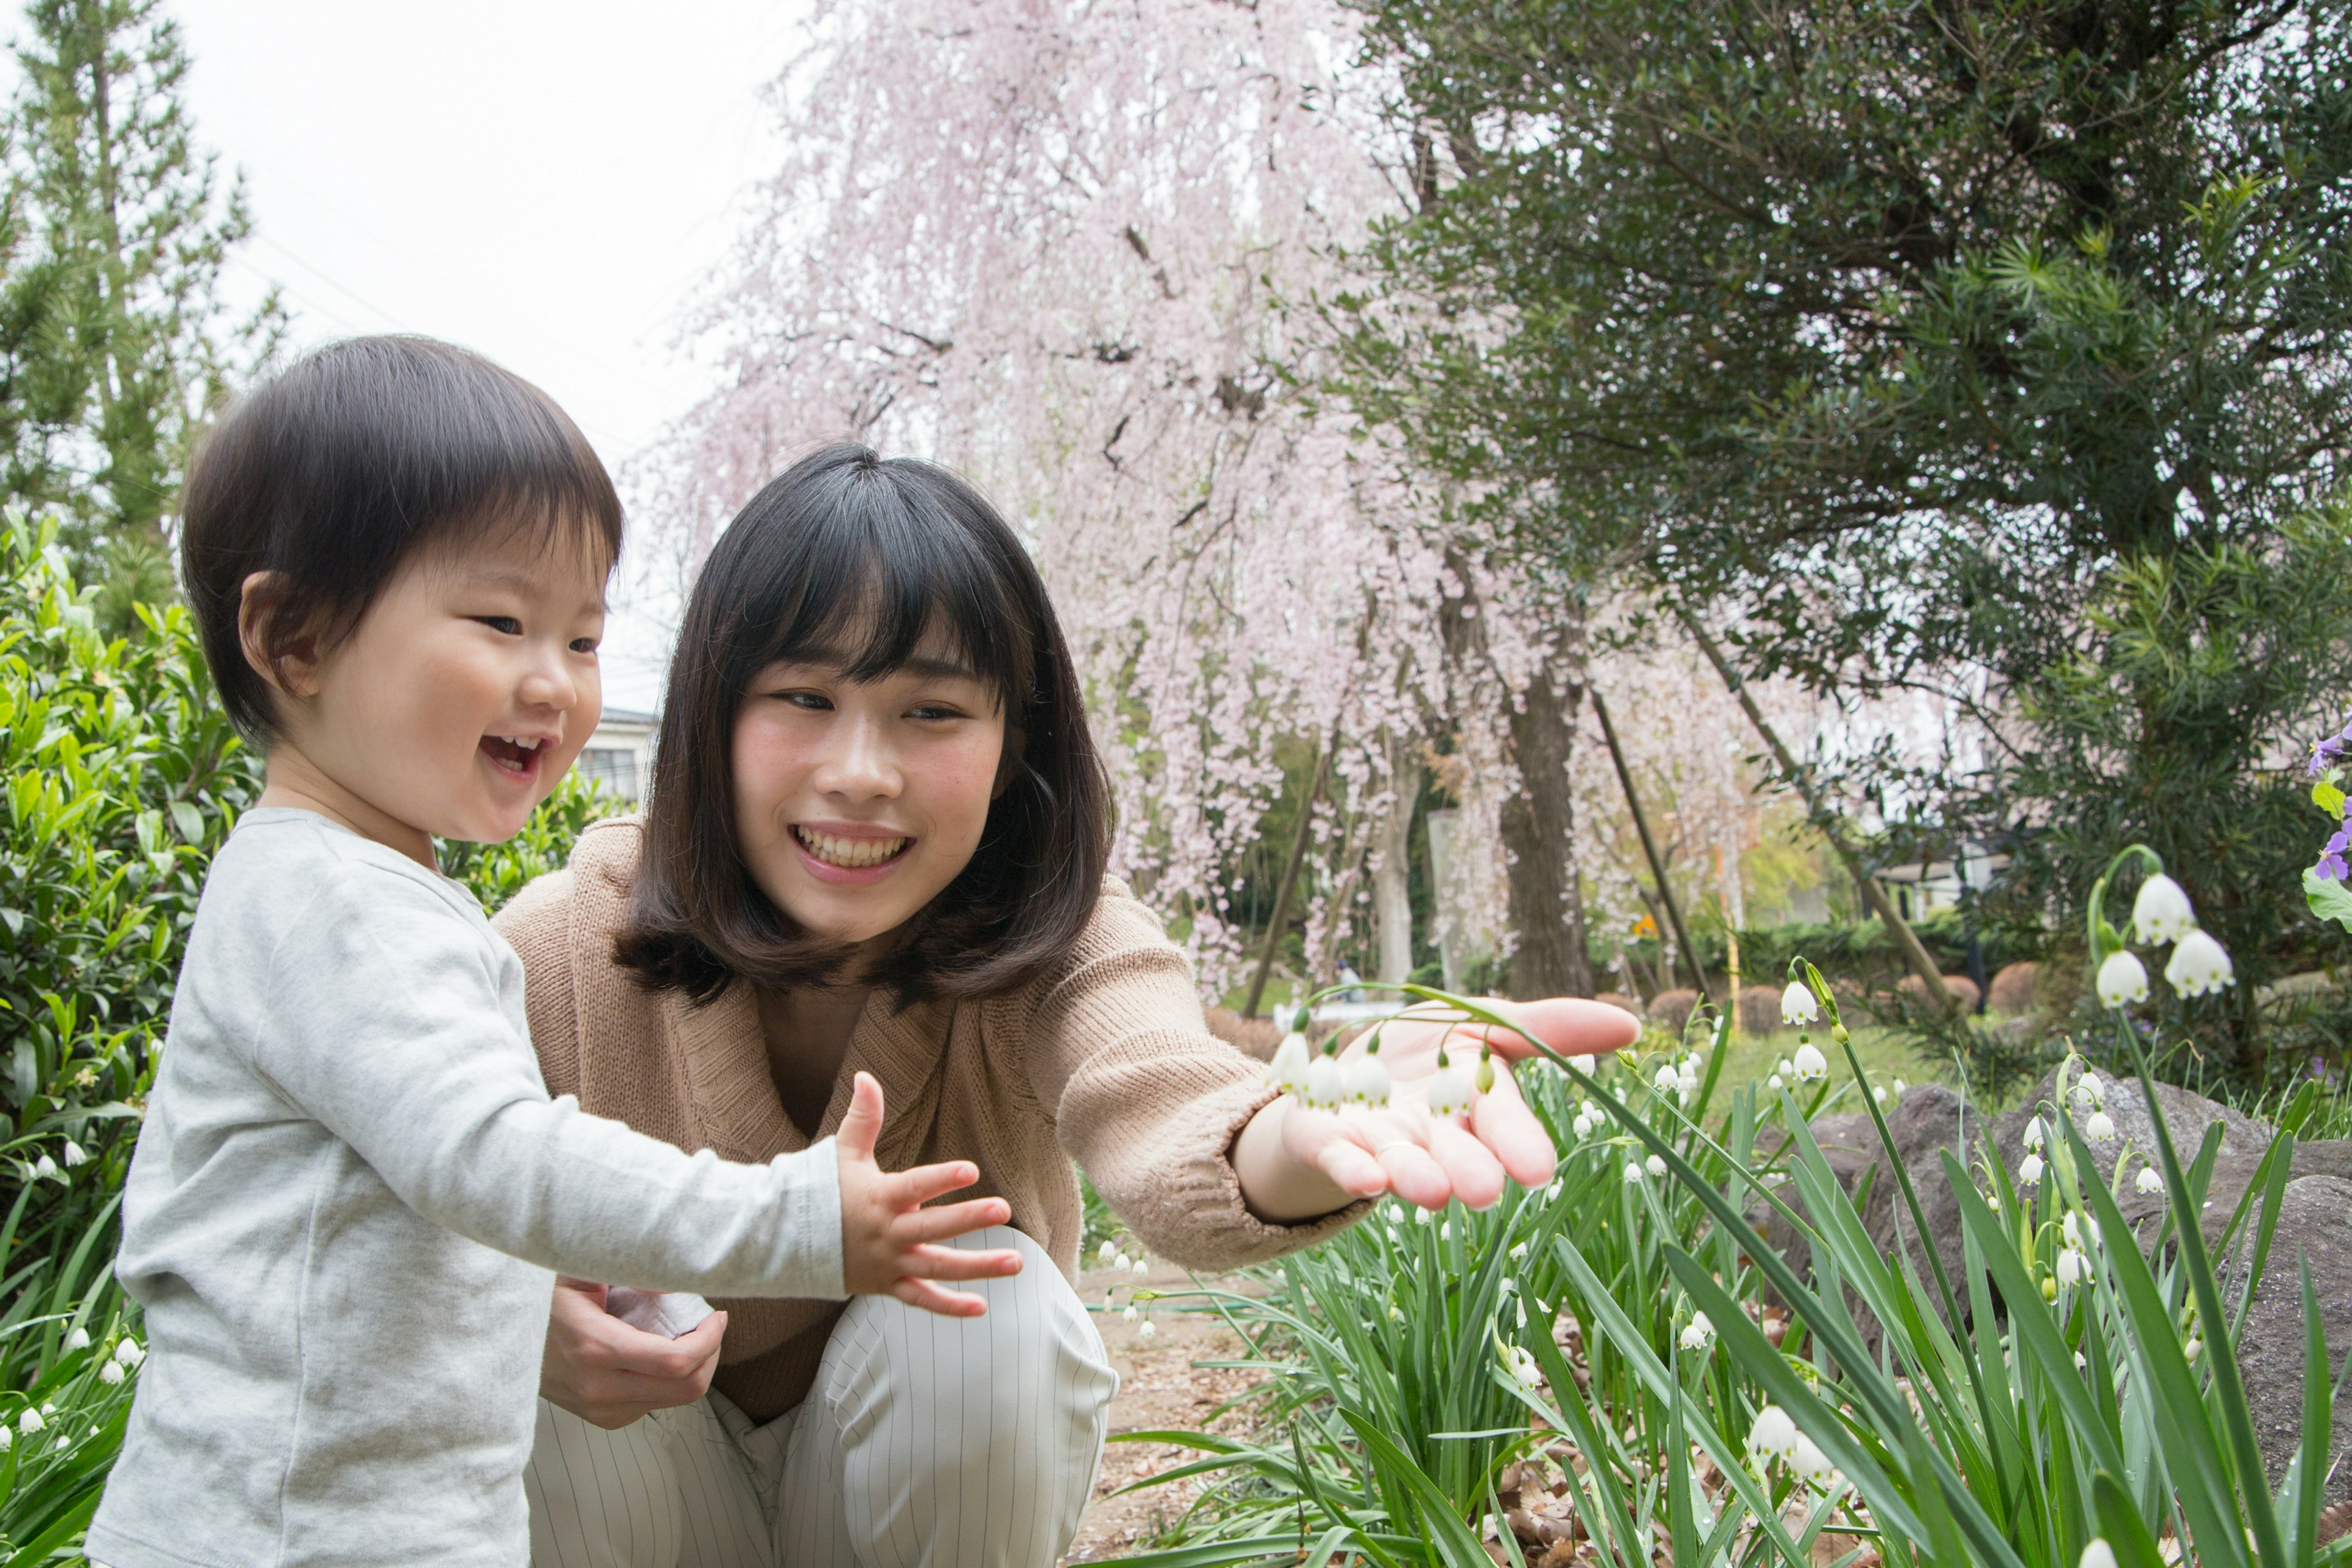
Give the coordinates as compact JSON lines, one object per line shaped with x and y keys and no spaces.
{"x":1295,"y":1162}
{"x":609,"y":1374}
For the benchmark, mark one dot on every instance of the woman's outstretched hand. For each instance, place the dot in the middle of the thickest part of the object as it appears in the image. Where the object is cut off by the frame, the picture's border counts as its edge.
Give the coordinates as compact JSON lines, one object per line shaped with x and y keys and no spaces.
{"x":1295,"y":1162}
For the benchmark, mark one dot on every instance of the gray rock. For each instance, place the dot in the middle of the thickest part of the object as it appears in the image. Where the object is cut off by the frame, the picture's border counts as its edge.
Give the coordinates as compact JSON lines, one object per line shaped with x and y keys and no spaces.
{"x":2314,"y":1223}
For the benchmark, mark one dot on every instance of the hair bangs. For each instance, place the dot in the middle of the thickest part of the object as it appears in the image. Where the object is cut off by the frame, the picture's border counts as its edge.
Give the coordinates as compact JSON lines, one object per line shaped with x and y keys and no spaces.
{"x":887,"y":578}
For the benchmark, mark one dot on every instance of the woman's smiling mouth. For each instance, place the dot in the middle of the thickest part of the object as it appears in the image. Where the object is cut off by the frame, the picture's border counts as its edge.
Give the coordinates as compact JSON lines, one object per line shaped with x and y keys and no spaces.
{"x":849,"y":853}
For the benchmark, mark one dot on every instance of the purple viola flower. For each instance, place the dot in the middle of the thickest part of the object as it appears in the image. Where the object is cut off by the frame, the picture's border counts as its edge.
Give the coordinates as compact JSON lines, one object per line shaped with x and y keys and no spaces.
{"x":2324,"y":753}
{"x":2331,"y":867}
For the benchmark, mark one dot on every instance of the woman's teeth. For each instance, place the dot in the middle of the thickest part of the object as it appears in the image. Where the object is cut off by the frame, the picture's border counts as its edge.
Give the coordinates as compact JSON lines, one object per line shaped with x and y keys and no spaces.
{"x":848,"y":853}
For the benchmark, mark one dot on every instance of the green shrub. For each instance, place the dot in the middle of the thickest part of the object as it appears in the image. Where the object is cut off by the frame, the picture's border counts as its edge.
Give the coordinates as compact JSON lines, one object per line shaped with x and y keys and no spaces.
{"x":123,"y":777}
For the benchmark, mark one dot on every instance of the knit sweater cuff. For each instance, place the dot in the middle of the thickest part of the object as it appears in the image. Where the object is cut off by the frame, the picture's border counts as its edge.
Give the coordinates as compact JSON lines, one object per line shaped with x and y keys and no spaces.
{"x":1218,"y":1230}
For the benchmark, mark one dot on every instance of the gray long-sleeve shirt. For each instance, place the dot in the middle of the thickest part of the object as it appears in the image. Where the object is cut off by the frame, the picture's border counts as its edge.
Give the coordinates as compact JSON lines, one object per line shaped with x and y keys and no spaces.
{"x":347,"y":1198}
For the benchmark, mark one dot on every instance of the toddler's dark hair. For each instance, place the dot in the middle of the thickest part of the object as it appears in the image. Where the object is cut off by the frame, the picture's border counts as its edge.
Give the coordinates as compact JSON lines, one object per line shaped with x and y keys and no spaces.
{"x":335,"y":473}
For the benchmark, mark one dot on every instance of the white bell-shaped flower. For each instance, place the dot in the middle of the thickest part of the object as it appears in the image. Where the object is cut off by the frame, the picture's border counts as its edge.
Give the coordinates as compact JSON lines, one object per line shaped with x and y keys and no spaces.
{"x":1288,"y":1071}
{"x":2100,"y":1128}
{"x":1448,"y":1090}
{"x":44,"y":1167}
{"x":1668,"y":1077}
{"x":2147,"y":1182}
{"x":130,"y":1352}
{"x":2034,"y":1133}
{"x":1367,"y":1082}
{"x":2199,"y":966}
{"x":1813,"y":1465}
{"x":2123,"y":979}
{"x":2029,"y":1174}
{"x":1697,"y":1335}
{"x":1656,"y":1164}
{"x":2161,"y":913}
{"x":73,"y":1155}
{"x":1784,"y":1067}
{"x":1797,"y":1005}
{"x":1775,"y":1081}
{"x":1774,"y":1436}
{"x":1633,"y":1173}
{"x":2098,"y":1554}
{"x":110,"y":1373}
{"x":1584,"y":1064}
{"x":78,"y":1339}
{"x":30,"y":1422}
{"x":2074,"y":1265}
{"x":2089,"y":1092}
{"x":1810,"y":1064}
{"x":1326,"y":1088}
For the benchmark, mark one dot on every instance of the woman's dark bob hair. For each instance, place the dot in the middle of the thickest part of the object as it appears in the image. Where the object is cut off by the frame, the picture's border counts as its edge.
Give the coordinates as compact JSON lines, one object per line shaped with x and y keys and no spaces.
{"x":862,"y":559}
{"x":360,"y":456}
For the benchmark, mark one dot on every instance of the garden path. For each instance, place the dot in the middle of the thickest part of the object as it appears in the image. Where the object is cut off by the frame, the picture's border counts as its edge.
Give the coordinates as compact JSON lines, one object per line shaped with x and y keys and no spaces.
{"x":1160,"y":1389}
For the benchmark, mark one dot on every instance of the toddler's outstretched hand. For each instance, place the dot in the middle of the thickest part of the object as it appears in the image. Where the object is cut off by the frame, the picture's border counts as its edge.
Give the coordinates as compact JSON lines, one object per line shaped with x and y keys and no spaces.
{"x":890,"y":1241}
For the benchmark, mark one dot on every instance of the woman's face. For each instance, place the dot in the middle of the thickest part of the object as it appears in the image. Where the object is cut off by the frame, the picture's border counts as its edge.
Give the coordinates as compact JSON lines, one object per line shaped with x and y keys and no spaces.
{"x":856,"y":803}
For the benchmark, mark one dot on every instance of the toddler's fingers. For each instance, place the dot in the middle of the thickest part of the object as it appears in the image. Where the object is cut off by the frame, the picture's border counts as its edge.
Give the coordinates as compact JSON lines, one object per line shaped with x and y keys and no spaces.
{"x":946,"y":1223}
{"x":924,"y":1183}
{"x":958,"y":1263}
{"x":938,"y":1298}
{"x":862,"y":1123}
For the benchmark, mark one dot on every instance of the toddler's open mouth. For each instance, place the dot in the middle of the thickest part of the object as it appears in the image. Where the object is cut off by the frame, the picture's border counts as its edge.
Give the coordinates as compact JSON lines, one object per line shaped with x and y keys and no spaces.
{"x":517,"y":755}
{"x":849,"y":854}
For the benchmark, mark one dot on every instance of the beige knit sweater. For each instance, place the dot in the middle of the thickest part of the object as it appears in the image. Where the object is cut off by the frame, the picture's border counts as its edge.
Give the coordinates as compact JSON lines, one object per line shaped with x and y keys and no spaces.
{"x":1105,"y":1061}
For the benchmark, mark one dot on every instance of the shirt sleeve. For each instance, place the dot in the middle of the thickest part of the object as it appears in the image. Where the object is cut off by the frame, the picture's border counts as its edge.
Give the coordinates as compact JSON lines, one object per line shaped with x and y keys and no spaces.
{"x":385,"y":1023}
{"x":1148,"y":1102}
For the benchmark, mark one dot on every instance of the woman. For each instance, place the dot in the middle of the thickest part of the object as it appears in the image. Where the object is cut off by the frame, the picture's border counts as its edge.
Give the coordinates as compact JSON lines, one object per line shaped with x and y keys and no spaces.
{"x":876,"y":840}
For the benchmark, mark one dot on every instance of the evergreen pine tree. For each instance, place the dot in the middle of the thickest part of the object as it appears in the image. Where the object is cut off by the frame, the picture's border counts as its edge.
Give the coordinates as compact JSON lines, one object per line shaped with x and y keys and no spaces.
{"x":130,"y":343}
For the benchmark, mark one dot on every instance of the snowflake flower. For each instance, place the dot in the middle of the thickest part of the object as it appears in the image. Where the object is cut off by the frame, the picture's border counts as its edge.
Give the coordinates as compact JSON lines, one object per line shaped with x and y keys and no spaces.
{"x":2161,"y":913}
{"x":1697,"y":1335}
{"x":2122,"y":979}
{"x":2034,"y":1134}
{"x":1774,"y":1436}
{"x":109,"y":1373}
{"x":2147,"y":1180}
{"x":2199,"y":966}
{"x":1288,"y":1071}
{"x":2029,"y":1174}
{"x":1797,"y":1005}
{"x":1448,"y":1090}
{"x":2100,"y":1128}
{"x":1633,"y":1173}
{"x":1656,"y":1164}
{"x":1810,"y":1064}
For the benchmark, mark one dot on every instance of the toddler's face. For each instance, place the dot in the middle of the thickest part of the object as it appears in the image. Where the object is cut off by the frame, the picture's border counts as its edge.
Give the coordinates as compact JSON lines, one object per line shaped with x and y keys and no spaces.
{"x":857,"y":802}
{"x":463,"y":695}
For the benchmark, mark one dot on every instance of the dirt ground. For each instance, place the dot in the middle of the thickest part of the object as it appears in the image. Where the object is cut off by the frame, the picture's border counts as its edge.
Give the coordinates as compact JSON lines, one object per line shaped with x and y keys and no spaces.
{"x":1158,"y":1389}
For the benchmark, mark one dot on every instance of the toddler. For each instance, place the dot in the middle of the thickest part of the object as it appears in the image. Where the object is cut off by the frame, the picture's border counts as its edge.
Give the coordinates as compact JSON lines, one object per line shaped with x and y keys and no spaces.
{"x":351,"y":1190}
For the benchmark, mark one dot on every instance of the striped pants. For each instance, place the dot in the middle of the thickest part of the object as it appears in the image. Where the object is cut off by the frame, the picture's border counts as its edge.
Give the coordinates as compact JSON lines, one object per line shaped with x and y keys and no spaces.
{"x":927,"y":1442}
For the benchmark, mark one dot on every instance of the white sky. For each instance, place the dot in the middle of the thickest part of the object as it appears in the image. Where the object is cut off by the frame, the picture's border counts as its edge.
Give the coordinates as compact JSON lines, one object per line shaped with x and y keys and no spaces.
{"x":546,"y":183}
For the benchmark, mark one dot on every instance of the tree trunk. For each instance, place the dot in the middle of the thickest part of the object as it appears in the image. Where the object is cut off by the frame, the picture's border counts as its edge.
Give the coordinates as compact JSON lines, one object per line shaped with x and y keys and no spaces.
{"x":1539,"y":830}
{"x":1392,"y":882}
